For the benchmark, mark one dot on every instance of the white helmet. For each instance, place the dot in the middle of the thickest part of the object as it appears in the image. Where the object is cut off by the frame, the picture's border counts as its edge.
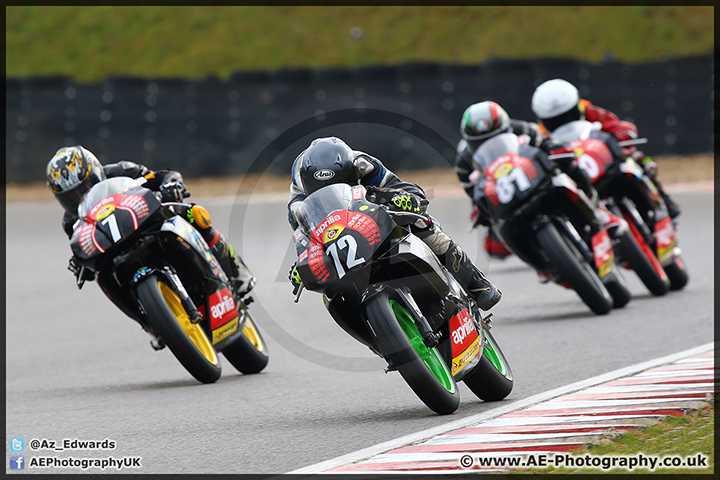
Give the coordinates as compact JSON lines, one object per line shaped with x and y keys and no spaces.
{"x":555,"y":98}
{"x":483,"y":120}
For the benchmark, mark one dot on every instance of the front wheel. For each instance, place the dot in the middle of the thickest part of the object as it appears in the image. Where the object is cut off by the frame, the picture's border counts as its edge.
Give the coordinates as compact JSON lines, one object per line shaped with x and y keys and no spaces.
{"x":491,"y":379}
{"x":169,"y":321}
{"x":574,"y":269}
{"x":423,"y":368}
{"x":249,"y":353}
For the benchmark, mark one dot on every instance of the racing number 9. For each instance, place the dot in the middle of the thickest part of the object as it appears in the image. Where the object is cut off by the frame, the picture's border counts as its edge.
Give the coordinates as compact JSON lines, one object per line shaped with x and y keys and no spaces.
{"x":350,"y":260}
{"x":505,"y":187}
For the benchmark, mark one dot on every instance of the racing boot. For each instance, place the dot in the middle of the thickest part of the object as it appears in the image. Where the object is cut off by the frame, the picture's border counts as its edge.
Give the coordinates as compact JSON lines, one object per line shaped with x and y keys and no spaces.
{"x":486,"y":294}
{"x":241,"y":279}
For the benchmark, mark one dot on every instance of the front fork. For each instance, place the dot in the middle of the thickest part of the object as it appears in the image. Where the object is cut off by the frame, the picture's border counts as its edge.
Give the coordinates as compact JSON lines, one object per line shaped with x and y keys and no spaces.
{"x":174,"y":280}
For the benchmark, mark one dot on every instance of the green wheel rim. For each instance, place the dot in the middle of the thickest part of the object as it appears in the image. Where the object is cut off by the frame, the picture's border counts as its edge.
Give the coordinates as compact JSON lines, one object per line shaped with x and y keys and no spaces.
{"x":490,"y":352}
{"x":430,"y":356}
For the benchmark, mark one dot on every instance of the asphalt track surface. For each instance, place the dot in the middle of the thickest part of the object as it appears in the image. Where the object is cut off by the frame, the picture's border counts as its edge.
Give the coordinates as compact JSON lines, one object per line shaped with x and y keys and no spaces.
{"x":77,"y":368}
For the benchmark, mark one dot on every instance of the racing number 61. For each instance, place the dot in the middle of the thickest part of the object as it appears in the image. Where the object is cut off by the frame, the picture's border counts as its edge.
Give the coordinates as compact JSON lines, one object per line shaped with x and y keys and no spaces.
{"x":505,"y":187}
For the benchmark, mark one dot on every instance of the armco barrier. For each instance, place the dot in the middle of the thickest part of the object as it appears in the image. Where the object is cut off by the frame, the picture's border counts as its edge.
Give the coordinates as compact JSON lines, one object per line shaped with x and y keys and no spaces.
{"x":262,"y":120}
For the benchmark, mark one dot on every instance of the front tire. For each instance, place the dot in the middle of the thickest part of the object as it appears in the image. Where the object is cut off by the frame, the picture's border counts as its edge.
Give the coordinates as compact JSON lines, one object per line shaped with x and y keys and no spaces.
{"x":170,"y":322}
{"x":574,"y":270}
{"x":249,"y":353}
{"x":491,"y":379}
{"x":423,"y":368}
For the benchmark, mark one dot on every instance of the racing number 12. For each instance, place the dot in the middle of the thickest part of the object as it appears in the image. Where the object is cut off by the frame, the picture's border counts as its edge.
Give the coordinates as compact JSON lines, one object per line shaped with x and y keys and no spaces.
{"x":350,"y":260}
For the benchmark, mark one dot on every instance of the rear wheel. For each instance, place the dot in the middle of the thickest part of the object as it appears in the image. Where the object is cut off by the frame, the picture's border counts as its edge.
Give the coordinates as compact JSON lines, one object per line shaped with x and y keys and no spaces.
{"x":633,"y":249}
{"x":491,"y":379}
{"x":677,"y":273}
{"x":572,"y":268}
{"x":169,"y":321}
{"x":249,"y":353}
{"x":617,"y":287}
{"x":423,"y":368}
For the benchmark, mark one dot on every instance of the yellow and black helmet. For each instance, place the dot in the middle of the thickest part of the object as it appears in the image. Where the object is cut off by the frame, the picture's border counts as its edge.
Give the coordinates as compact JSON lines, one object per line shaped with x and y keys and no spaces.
{"x":70,"y":174}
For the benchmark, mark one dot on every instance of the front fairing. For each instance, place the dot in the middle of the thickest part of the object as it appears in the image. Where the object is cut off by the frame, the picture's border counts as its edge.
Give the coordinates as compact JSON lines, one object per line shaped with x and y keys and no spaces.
{"x":110,"y":213}
{"x":339,"y":233}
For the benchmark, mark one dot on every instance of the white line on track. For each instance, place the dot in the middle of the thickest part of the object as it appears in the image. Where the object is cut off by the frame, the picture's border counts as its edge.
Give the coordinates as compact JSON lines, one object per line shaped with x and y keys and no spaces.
{"x":481,"y":417}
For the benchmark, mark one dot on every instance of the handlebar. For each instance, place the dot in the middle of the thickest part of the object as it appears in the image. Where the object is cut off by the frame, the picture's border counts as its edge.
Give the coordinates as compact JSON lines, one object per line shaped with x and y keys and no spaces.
{"x":634,"y":141}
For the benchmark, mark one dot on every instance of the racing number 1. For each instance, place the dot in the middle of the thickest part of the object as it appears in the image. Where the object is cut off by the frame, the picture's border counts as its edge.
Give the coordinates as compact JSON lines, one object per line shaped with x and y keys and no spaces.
{"x":350,"y":260}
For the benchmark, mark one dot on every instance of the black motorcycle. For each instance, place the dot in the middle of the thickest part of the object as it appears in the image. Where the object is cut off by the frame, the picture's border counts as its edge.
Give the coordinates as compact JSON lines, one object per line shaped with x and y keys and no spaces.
{"x":388,"y":290}
{"x":541,"y":215}
{"x":650,"y":246}
{"x":159,"y":271}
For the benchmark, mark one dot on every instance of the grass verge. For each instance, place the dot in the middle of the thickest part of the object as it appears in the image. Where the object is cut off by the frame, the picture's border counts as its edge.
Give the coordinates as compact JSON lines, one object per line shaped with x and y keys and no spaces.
{"x":688,"y":437}
{"x":90,"y":43}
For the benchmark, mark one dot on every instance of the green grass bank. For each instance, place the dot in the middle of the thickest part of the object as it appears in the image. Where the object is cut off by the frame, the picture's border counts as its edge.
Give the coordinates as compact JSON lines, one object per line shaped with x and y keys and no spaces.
{"x":89,"y":43}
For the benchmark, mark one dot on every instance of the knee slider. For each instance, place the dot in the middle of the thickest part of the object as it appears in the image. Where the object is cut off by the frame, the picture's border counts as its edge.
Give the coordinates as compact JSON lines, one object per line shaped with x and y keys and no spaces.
{"x":201,"y":216}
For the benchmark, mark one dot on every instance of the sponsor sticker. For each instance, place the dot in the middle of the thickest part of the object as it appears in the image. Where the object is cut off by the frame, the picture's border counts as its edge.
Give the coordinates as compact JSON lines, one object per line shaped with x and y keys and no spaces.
{"x":603,"y":252}
{"x":464,"y":340}
{"x":357,"y":193}
{"x":222,"y":308}
{"x":665,"y":238}
{"x":224,"y":331}
{"x":324,"y":174}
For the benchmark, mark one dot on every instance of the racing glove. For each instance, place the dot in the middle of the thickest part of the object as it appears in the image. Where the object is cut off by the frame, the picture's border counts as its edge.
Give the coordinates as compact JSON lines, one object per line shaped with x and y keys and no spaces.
{"x":408,"y":202}
{"x":173,"y":188}
{"x":294,"y":278}
{"x":552,"y":146}
{"x":647,"y":163}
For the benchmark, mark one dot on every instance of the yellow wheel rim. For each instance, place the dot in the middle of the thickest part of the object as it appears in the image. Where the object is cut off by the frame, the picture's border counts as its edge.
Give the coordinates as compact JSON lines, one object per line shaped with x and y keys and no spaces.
{"x":252,"y":334}
{"x":193,"y":331}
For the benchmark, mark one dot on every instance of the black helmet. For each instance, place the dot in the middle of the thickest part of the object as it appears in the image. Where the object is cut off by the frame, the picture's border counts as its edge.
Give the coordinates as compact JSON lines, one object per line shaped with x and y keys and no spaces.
{"x":325,"y":162}
{"x":71,"y":173}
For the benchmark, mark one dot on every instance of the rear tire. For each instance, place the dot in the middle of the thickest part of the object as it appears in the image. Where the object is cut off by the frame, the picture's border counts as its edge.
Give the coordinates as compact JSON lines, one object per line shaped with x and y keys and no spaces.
{"x":648,"y":269}
{"x":491,"y":379}
{"x":423,"y":368}
{"x":677,"y":273}
{"x":618,"y":288}
{"x":574,"y":270}
{"x":249,"y":353}
{"x":170,"y":322}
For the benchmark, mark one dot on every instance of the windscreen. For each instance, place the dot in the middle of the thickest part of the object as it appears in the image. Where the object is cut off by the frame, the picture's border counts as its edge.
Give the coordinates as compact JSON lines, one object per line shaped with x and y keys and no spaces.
{"x":493,"y":148}
{"x":105,"y":189}
{"x":316,"y":207}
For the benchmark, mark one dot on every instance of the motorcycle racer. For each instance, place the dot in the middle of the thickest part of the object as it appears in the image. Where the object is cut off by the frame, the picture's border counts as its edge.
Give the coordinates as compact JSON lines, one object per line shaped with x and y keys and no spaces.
{"x":330,"y":160}
{"x":72,"y":171}
{"x":484,"y":120}
{"x":557,"y":102}
{"x":498,"y":122}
